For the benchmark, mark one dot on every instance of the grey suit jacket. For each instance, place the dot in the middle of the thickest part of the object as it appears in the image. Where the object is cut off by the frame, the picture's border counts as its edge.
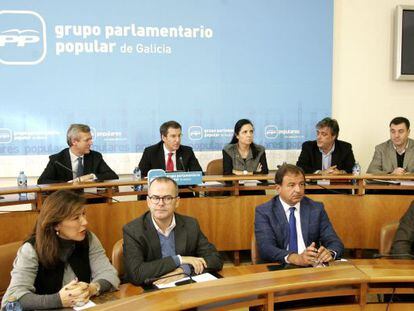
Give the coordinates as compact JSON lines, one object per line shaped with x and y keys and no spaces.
{"x":142,"y":248}
{"x":404,"y":237}
{"x":385,"y":158}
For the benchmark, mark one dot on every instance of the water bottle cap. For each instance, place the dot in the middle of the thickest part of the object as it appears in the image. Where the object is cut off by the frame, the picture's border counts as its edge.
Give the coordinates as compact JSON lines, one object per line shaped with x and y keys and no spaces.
{"x":11,"y":299}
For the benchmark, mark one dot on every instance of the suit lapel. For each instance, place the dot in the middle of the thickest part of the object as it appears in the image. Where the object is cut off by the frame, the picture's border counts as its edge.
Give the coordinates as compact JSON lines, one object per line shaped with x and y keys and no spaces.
{"x":280,"y":215}
{"x":393,"y":156}
{"x":304,"y":222}
{"x":335,"y":155}
{"x":87,"y":164}
{"x":180,"y":236}
{"x":153,"y":239}
{"x":161,"y":156}
{"x":409,"y":155}
{"x":179,"y":163}
{"x":318,"y":157}
{"x":68,"y":163}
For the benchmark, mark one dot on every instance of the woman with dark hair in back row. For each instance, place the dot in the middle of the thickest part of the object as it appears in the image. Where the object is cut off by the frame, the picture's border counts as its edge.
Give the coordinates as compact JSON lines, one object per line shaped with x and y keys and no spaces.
{"x":62,"y":264}
{"x":242,"y":156}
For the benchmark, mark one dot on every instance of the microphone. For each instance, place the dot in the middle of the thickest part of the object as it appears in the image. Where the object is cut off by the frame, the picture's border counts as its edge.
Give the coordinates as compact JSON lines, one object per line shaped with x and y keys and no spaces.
{"x":182,"y":163}
{"x":66,"y":168}
{"x":98,"y":194}
{"x":393,"y":256}
{"x":331,"y":190}
{"x":150,"y":281}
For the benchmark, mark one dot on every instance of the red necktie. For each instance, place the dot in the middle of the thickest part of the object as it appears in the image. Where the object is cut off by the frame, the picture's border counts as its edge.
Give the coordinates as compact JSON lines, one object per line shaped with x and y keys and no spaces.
{"x":170,"y":163}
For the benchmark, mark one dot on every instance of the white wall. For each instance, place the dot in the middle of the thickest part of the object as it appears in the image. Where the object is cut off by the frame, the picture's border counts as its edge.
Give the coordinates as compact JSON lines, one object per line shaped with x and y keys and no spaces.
{"x":365,"y":96}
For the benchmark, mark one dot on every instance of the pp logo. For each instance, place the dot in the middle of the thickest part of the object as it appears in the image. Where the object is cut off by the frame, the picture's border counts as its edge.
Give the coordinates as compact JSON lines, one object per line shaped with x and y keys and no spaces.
{"x":5,"y":136}
{"x":22,"y":38}
{"x":195,"y":132}
{"x":271,"y":131}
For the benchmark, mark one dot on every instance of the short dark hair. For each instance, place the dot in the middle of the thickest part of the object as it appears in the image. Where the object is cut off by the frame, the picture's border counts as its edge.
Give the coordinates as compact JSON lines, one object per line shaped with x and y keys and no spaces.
{"x":288,"y":169}
{"x":164,"y":179}
{"x":331,"y":123}
{"x":399,"y":120}
{"x":167,"y":125}
{"x":237,"y":127}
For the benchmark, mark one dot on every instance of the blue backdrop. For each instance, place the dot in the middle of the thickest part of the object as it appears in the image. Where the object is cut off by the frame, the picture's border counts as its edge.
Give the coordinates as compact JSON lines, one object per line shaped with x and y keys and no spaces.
{"x":126,"y":67}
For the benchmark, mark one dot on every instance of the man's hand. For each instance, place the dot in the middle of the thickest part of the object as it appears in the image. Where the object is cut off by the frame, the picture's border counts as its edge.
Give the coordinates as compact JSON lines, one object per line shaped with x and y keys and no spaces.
{"x":324,"y":255}
{"x":332,"y":171}
{"x":198,"y":263}
{"x":172,"y":278}
{"x":84,"y":178}
{"x":399,"y":171}
{"x":306,"y":258}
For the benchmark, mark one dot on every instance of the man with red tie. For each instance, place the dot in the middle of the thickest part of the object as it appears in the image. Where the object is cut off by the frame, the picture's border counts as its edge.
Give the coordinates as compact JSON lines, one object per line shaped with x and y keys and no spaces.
{"x":169,"y":154}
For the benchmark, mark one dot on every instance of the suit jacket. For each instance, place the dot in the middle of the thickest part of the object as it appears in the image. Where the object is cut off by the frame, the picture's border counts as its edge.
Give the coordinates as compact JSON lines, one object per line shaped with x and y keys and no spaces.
{"x":271,"y":228}
{"x":310,"y":158}
{"x":142,"y":248}
{"x":92,"y":163}
{"x":384,"y":160}
{"x":404,"y":237}
{"x":153,"y":157}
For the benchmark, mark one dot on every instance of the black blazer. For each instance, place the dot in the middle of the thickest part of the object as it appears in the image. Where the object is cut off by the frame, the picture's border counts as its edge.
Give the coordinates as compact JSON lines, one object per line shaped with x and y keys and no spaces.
{"x":310,"y":158}
{"x":92,"y":163}
{"x":142,"y":248}
{"x":153,"y":158}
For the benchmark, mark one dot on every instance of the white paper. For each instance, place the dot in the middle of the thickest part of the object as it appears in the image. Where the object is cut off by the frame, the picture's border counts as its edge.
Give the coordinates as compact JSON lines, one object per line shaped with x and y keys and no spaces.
{"x":88,"y":305}
{"x":204,"y":277}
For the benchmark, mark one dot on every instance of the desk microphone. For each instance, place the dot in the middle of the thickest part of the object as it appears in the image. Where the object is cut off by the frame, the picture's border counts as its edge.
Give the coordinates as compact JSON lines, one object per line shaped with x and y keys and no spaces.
{"x":150,"y":281}
{"x":393,"y":256}
{"x":66,"y":168}
{"x":98,"y":194}
{"x":182,"y":163}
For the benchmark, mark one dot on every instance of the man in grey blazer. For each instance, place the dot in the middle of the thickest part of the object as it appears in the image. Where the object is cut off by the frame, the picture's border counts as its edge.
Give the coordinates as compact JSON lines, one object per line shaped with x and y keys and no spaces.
{"x":396,"y":155}
{"x":164,"y":244}
{"x":292,"y":228}
{"x":404,"y":237}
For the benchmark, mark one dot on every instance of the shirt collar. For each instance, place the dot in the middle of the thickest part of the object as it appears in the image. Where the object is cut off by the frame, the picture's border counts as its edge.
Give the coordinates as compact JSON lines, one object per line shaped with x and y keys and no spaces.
{"x":329,"y":152}
{"x":286,"y":206}
{"x":403,"y":151}
{"x":73,"y":157}
{"x":168,"y":230}
{"x":166,"y":151}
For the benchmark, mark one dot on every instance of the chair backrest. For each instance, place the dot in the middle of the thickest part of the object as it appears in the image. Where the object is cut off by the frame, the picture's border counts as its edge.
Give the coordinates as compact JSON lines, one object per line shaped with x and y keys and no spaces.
{"x":7,"y":255}
{"x":387,"y":236}
{"x":215,"y":167}
{"x":118,"y":257}
{"x":253,"y":250}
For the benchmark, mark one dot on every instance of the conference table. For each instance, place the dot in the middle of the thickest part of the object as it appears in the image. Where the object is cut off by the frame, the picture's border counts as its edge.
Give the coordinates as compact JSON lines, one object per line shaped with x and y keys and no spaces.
{"x":227,"y":221}
{"x":349,"y":285}
{"x":232,"y":184}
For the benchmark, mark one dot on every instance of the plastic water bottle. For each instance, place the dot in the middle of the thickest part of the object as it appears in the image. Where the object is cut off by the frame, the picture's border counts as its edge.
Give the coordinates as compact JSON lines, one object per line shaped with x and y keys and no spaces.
{"x":137,"y":176}
{"x":22,"y":183}
{"x":356,"y":171}
{"x":13,"y":304}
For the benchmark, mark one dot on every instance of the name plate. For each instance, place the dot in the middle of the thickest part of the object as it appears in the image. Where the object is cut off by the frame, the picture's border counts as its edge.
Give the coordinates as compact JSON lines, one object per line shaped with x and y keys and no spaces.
{"x":323,"y":182}
{"x":181,"y":178}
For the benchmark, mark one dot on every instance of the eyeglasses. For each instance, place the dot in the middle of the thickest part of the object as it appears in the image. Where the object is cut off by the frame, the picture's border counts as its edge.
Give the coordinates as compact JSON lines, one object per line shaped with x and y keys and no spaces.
{"x":155,"y":199}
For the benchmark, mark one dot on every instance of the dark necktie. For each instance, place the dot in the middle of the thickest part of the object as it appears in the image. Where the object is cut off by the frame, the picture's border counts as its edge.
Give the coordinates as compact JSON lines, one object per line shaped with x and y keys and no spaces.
{"x":293,"y":235}
{"x":170,"y":164}
{"x":79,"y":170}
